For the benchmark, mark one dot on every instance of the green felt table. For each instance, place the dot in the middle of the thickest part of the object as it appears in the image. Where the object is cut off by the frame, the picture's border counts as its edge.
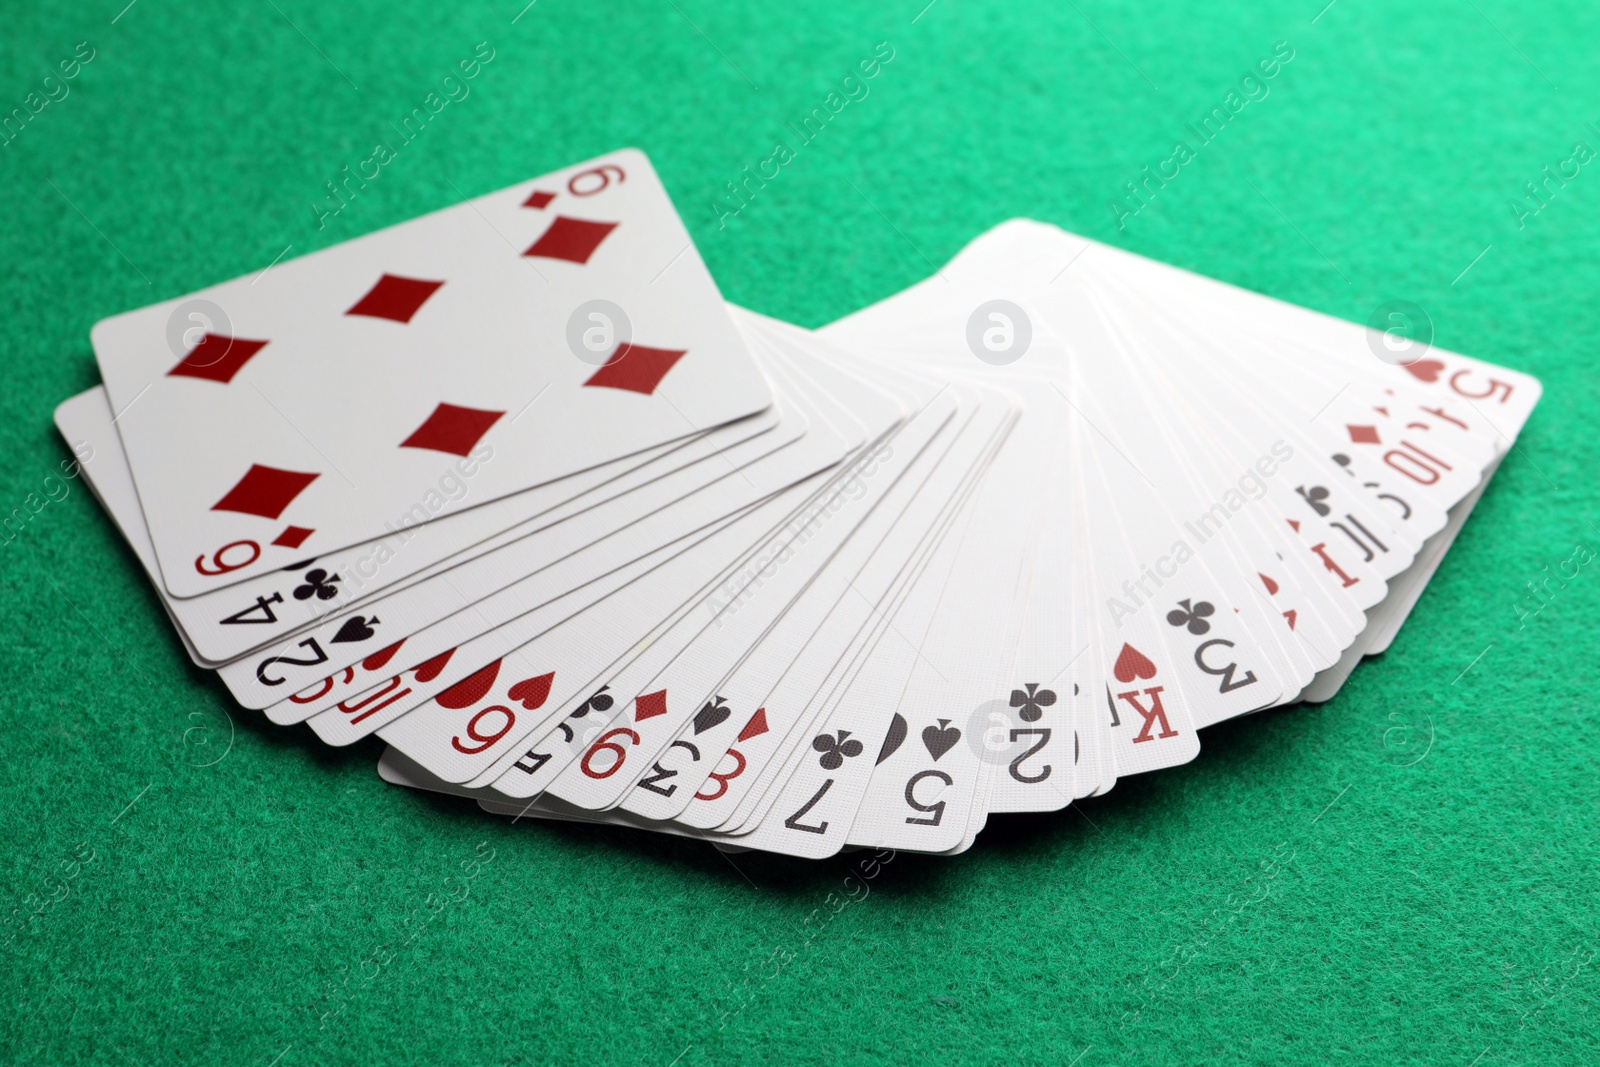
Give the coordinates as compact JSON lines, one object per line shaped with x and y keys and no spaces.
{"x":1403,"y":875}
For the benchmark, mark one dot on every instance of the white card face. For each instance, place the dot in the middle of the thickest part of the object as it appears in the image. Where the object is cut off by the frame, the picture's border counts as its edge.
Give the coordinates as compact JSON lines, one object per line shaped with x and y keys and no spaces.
{"x":786,"y":675}
{"x":607,"y":625}
{"x":577,"y":653}
{"x":225,"y":624}
{"x":500,"y":674}
{"x":474,"y":600}
{"x":578,"y":656}
{"x":872,"y":633}
{"x":1408,"y":451}
{"x":940,"y":741}
{"x":550,"y":561}
{"x":685,"y":676}
{"x":1043,"y":743}
{"x":754,"y":642}
{"x":574,"y":653}
{"x":814,"y":798}
{"x":564,"y":323}
{"x":1503,"y":396}
{"x":877,"y":418}
{"x":745,"y":593}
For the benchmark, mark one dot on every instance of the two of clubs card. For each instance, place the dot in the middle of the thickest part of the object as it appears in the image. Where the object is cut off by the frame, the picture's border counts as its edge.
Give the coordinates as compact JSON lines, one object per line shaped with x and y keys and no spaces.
{"x":512,"y":487}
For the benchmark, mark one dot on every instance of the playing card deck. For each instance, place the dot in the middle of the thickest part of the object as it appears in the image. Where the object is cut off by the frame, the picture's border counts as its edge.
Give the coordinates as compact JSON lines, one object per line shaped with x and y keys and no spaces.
{"x":510,"y":486}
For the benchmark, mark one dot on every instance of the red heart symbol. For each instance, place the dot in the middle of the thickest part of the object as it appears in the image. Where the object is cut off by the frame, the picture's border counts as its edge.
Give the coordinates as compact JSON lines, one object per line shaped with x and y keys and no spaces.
{"x":427,"y":672}
{"x":470,"y":689}
{"x":1425,"y":370}
{"x":1131,"y":664}
{"x":532,"y":692}
{"x":376,"y":661}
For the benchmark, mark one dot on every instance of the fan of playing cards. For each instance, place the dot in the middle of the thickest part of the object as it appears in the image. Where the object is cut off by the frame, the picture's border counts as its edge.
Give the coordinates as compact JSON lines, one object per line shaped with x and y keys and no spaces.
{"x":511,"y":487}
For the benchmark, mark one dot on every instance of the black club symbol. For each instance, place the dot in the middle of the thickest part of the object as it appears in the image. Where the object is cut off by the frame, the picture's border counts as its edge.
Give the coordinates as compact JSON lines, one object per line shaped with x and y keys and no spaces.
{"x":1033,"y":701}
{"x":1315,"y":497}
{"x":835,"y":749}
{"x":600,"y":701}
{"x":1194,"y":617}
{"x":319,"y":584}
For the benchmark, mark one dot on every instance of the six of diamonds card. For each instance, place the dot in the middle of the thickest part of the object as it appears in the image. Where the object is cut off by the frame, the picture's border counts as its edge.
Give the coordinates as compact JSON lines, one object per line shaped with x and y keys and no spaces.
{"x":512,"y":487}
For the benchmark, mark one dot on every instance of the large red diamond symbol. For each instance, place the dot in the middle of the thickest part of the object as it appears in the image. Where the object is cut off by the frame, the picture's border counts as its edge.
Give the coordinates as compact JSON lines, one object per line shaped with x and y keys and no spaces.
{"x":571,"y":239}
{"x":452,"y":429}
{"x":636,"y":368}
{"x":539,"y":200}
{"x":1364,"y":435}
{"x":650,"y":705}
{"x":394,"y":297}
{"x":216,"y":358}
{"x":264,"y":491}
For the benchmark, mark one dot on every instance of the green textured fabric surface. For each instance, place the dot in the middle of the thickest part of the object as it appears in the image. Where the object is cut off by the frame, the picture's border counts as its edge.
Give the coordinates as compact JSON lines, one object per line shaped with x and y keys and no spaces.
{"x":1405,"y":875}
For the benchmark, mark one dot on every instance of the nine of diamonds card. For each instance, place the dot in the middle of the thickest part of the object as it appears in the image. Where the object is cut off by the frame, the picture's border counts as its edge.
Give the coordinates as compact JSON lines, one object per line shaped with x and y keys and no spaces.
{"x":333,"y":390}
{"x":983,"y":547}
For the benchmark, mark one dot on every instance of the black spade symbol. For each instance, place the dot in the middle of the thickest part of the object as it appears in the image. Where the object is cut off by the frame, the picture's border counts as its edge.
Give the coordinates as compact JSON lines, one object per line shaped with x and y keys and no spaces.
{"x":713,"y":713}
{"x":940,"y":739}
{"x":355,"y":628}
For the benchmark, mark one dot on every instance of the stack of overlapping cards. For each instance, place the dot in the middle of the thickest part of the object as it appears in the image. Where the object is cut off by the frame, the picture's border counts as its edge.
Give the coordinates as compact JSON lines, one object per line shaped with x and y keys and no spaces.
{"x":512,"y":488}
